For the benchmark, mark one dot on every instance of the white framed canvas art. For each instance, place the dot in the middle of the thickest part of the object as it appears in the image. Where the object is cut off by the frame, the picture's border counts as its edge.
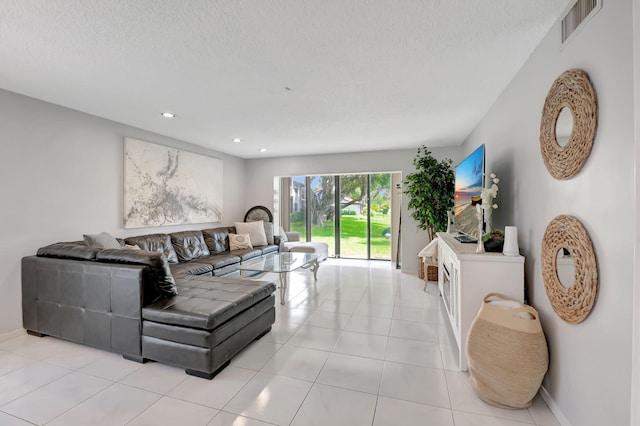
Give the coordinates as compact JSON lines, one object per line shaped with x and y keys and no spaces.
{"x":167,"y":186}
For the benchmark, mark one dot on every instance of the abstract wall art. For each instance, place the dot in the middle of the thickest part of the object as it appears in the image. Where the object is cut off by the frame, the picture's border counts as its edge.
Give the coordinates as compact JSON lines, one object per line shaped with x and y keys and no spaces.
{"x":167,"y":186}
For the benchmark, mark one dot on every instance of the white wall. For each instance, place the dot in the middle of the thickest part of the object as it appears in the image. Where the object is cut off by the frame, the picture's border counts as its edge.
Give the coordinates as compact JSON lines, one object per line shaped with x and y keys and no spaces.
{"x":61,"y":174}
{"x":590,"y":363}
{"x":261,"y":172}
{"x":635,"y":375}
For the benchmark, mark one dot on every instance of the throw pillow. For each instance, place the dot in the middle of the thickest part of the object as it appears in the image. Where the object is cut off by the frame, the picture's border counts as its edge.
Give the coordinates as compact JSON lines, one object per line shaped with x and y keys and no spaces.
{"x":430,"y":250}
{"x":268,"y":230}
{"x":255,"y":231}
{"x":102,"y":240}
{"x":163,"y":278}
{"x":239,"y":241}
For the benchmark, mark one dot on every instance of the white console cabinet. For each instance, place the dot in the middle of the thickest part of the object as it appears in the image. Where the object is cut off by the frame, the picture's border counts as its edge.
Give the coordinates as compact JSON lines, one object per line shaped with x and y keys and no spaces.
{"x":466,"y":277}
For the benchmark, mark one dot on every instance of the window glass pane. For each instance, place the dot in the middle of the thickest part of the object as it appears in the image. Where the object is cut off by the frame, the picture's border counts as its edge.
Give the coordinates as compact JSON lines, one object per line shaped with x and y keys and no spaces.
{"x":322,"y":210}
{"x":353,"y":216}
{"x":380,"y":190}
{"x":298,"y":203}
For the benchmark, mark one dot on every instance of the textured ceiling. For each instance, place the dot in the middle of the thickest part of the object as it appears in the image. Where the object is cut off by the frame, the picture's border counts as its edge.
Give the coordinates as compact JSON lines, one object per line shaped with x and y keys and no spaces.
{"x":295,"y":77}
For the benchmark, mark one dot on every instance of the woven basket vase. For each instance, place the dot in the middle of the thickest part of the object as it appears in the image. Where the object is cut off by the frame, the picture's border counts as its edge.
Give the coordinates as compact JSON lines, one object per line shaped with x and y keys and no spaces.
{"x":507,"y":355}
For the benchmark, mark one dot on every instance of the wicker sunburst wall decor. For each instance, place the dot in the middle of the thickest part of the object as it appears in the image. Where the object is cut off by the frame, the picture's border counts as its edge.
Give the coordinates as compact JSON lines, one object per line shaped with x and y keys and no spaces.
{"x":572,"y":304}
{"x":571,"y":89}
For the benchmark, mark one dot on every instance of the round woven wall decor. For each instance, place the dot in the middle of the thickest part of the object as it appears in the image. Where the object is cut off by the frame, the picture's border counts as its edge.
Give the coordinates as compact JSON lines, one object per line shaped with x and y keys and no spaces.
{"x":572,"y":304}
{"x":573,"y":90}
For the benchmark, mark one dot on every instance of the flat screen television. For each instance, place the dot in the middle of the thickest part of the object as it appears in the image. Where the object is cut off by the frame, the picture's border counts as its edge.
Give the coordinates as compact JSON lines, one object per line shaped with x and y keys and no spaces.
{"x":469,"y":184}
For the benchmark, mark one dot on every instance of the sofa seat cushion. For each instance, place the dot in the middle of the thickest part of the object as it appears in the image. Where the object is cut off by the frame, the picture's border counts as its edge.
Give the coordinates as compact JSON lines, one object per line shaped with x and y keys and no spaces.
{"x":189,"y":245}
{"x":206,"y":302}
{"x":246,"y":254}
{"x":230,"y":269}
{"x":191,"y":268}
{"x":220,"y":260}
{"x":268,"y":249}
{"x":207,"y":338}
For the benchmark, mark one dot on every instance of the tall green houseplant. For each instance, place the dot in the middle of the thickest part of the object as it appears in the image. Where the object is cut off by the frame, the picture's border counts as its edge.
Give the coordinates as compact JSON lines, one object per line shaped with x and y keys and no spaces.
{"x":431,"y":190}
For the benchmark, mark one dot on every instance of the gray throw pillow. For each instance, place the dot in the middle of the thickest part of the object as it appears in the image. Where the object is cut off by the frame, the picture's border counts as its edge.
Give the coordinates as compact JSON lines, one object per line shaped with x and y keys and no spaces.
{"x":102,"y":240}
{"x":268,"y":230}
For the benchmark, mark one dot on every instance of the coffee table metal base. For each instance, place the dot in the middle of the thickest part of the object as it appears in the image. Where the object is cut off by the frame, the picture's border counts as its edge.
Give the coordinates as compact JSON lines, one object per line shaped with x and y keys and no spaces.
{"x":284,"y":278}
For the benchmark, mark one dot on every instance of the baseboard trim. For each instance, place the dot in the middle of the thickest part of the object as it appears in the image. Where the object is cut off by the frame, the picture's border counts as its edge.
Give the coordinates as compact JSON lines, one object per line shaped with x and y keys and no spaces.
{"x":12,"y":334}
{"x":555,"y":409}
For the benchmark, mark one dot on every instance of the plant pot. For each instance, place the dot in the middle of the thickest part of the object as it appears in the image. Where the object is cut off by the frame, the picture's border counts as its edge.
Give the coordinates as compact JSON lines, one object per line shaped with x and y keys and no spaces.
{"x":494,"y":245}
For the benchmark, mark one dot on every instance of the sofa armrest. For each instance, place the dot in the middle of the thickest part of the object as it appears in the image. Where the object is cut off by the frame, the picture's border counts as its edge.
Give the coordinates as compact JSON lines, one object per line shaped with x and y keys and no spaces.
{"x":85,"y":301}
{"x":292,"y":235}
{"x":289,"y":236}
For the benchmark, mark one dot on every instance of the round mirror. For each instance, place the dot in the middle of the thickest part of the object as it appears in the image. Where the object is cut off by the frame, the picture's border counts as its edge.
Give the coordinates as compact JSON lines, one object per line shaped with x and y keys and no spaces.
{"x":567,"y":251}
{"x":565,"y":268}
{"x":564,"y":126}
{"x":568,"y":126}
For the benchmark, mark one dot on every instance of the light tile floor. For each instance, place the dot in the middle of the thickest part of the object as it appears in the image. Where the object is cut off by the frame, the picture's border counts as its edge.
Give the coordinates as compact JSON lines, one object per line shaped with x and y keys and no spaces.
{"x":364,"y":345}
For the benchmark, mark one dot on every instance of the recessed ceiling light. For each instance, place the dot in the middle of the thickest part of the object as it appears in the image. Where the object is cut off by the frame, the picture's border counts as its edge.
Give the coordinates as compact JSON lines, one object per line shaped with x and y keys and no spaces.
{"x":236,"y":140}
{"x":168,"y":115}
{"x":262,"y":150}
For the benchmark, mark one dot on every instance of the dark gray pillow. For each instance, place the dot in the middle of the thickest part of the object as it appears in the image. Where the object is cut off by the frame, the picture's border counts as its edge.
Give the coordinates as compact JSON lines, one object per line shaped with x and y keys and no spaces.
{"x":268,"y":231}
{"x":102,"y":240}
{"x":157,"y":262}
{"x":155,"y":242}
{"x":69,"y":251}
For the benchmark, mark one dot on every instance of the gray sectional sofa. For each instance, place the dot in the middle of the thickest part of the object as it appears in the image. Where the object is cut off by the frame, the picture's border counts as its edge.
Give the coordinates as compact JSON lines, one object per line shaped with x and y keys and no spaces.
{"x":171,"y":298}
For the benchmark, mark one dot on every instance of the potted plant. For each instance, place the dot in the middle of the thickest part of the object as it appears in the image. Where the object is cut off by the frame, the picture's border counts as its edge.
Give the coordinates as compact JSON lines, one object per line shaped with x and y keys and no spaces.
{"x":430,"y":189}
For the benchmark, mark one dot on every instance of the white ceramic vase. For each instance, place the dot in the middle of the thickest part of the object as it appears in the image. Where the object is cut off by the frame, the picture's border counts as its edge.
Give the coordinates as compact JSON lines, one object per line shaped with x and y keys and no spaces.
{"x":511,"y":241}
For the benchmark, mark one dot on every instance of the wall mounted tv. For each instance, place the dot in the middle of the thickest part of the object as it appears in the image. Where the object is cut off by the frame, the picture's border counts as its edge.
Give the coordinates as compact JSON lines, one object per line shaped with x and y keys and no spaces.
{"x":469,"y":184}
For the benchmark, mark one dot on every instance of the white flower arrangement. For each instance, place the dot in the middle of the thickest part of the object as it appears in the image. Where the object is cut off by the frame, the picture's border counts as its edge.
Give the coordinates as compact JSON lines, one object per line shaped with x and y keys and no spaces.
{"x":488,"y":196}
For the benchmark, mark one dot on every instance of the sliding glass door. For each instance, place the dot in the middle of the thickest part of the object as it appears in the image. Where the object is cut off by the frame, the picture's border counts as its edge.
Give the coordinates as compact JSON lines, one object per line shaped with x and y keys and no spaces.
{"x":351,"y":213}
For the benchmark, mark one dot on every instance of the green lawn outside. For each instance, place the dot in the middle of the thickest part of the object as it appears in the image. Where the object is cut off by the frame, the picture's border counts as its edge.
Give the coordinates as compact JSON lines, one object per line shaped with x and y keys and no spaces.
{"x":354,"y":236}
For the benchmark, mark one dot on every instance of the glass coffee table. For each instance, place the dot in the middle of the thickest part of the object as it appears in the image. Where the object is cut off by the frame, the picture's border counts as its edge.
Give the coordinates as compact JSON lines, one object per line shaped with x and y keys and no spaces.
{"x":282,"y":264}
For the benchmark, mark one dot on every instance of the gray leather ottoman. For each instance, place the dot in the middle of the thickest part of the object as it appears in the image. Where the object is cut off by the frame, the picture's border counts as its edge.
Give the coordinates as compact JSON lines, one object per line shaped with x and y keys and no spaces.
{"x":207,"y":323}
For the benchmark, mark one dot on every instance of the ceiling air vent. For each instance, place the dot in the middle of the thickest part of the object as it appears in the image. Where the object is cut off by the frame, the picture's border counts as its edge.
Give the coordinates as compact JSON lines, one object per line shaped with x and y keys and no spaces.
{"x":577,"y":15}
